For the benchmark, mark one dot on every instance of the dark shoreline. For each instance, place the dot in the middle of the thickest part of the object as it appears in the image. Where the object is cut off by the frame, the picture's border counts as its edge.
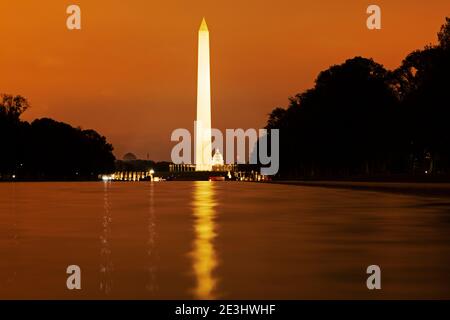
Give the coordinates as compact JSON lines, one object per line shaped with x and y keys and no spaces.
{"x":439,"y":189}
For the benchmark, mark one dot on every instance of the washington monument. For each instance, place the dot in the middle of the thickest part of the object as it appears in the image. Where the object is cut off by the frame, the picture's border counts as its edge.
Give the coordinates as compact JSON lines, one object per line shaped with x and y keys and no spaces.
{"x":203,"y":152}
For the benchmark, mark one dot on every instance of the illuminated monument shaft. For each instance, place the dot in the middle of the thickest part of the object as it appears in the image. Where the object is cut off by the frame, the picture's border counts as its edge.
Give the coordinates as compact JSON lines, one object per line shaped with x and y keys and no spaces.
{"x":203,"y":124}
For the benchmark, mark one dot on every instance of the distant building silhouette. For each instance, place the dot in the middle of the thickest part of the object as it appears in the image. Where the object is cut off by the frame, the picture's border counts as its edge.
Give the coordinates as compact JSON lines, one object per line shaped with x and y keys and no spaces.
{"x":129,"y":157}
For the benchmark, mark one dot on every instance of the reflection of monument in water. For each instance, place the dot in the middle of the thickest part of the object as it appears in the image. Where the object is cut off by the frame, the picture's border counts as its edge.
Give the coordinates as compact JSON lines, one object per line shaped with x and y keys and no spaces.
{"x":204,"y":254}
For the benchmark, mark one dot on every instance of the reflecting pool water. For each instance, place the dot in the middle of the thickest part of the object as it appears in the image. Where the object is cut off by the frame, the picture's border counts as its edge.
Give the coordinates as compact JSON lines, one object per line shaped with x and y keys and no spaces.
{"x":220,"y":240}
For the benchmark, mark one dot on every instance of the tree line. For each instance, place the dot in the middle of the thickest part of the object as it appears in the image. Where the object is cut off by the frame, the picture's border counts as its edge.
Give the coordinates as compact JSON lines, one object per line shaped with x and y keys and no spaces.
{"x":47,"y":149}
{"x":361,"y":119}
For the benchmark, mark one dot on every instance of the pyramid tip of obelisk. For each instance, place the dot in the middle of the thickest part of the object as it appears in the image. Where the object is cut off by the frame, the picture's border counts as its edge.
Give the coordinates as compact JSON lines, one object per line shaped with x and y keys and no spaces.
{"x":203,"y":26}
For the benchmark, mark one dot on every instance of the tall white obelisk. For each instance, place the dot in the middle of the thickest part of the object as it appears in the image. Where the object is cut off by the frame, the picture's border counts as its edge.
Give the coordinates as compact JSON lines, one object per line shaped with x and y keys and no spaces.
{"x":203,"y":154}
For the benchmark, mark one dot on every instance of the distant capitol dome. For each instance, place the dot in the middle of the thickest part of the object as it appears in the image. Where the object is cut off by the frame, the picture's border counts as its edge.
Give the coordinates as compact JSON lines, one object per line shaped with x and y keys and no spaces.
{"x":217,"y":159}
{"x":129,"y":157}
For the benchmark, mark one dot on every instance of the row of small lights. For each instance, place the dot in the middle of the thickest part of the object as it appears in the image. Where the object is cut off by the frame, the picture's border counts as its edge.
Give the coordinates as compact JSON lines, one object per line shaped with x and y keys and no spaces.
{"x":106,"y":178}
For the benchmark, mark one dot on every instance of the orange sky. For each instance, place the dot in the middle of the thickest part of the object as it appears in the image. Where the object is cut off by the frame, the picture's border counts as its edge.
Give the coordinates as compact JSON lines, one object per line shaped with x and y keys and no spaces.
{"x":130,"y":73}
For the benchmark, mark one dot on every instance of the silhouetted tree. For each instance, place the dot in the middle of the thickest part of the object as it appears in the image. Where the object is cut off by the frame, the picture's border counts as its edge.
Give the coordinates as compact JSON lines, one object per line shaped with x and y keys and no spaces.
{"x":12,"y":133}
{"x":444,"y":35}
{"x":423,"y":84}
{"x":11,"y":107}
{"x":47,"y":149}
{"x":342,"y":126}
{"x":361,"y":119}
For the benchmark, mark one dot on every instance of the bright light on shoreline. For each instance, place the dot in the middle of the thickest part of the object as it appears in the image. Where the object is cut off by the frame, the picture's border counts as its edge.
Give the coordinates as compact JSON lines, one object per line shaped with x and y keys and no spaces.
{"x":106,"y":178}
